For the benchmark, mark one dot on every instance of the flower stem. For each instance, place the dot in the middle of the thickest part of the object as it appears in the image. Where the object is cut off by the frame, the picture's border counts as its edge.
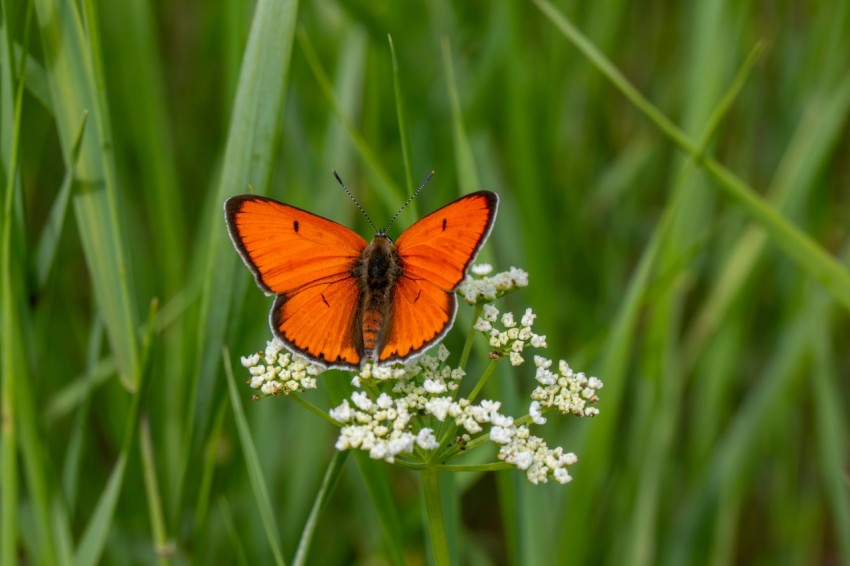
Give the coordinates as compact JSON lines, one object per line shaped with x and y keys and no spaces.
{"x":315,"y":410}
{"x":467,"y":347}
{"x":434,"y":512}
{"x":484,"y":377}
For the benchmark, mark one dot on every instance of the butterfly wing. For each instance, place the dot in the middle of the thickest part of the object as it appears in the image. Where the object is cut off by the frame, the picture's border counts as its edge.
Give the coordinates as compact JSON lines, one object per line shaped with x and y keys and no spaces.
{"x":435,"y":253}
{"x":306,"y":261}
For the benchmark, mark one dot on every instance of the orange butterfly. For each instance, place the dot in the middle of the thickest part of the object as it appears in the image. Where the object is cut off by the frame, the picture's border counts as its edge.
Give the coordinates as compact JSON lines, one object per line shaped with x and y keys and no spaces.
{"x":341,"y":301}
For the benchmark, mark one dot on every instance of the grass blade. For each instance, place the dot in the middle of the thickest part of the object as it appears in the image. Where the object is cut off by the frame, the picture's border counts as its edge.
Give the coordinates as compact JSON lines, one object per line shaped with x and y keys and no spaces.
{"x":403,"y":134}
{"x":153,"y":494}
{"x":47,"y":244}
{"x":385,"y":187}
{"x":466,"y":173}
{"x":800,"y":247}
{"x":252,"y":463}
{"x":12,"y":360}
{"x":831,"y":438}
{"x":97,"y":530}
{"x":248,"y":159}
{"x":329,"y":482}
{"x":76,"y":86}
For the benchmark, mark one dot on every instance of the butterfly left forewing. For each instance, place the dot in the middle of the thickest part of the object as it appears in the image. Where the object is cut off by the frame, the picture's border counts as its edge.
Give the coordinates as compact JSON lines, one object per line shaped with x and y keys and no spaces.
{"x":435,"y":253}
{"x":287,"y":248}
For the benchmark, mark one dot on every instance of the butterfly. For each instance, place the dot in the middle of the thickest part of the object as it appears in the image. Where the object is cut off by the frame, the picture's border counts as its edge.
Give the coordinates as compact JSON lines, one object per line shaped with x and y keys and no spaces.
{"x":340,"y":301}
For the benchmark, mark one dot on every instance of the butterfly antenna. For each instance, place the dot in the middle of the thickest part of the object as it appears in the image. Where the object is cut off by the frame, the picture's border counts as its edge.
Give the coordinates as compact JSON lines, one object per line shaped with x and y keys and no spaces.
{"x":351,"y":196}
{"x":413,"y":196}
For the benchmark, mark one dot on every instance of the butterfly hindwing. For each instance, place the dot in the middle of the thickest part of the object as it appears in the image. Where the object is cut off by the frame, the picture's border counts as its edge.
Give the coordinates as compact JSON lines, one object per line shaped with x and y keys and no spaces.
{"x":435,"y":253}
{"x":421,"y":313}
{"x":318,"y":321}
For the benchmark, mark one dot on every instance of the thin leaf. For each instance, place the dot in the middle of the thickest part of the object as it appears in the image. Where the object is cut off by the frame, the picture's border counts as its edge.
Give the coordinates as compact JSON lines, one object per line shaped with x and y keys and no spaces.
{"x":466,"y":172}
{"x":248,"y":160}
{"x":403,"y":134}
{"x":252,"y":463}
{"x":320,"y":503}
{"x":800,"y":247}
{"x":49,"y":241}
{"x":75,"y":86}
{"x":11,"y":347}
{"x":97,"y":530}
{"x":385,"y":187}
{"x":153,"y":494}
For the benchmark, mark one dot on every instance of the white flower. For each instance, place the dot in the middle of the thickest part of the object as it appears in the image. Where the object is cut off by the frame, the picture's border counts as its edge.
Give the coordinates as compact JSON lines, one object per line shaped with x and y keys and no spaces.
{"x":343,"y":413}
{"x":426,"y":439}
{"x":536,"y":414}
{"x":481,"y":325}
{"x":432,"y":386}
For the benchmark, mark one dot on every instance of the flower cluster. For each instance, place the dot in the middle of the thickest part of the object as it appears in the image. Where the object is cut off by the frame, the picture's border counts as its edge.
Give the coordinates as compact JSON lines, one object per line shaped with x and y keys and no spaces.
{"x":391,"y":425}
{"x":478,"y":287}
{"x":275,"y":370}
{"x":531,"y":454}
{"x":513,"y":338}
{"x":567,"y":391}
{"x":380,"y":427}
{"x":409,"y":413}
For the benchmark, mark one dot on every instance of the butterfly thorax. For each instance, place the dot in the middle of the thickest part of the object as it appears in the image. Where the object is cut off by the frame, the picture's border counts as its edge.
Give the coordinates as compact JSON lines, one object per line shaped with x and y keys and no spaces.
{"x":377,"y":270}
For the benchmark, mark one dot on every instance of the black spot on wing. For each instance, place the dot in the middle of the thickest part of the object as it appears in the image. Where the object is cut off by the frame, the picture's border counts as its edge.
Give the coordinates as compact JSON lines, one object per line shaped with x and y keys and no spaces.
{"x":295,"y":225}
{"x":444,"y":224}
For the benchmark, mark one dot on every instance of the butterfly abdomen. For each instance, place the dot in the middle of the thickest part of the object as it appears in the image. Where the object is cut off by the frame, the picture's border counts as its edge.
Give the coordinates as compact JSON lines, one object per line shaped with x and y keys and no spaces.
{"x":377,"y":271}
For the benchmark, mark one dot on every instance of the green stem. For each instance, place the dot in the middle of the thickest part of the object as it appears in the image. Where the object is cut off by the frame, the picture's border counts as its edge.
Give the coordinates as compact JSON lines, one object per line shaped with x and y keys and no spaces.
{"x":484,"y":378}
{"x":315,"y":410}
{"x":434,"y":512}
{"x":491,"y":467}
{"x":467,"y":348}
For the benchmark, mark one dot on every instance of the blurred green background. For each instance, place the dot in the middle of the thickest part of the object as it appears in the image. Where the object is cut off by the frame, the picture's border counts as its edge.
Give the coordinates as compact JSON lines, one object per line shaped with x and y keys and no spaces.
{"x":706,"y":299}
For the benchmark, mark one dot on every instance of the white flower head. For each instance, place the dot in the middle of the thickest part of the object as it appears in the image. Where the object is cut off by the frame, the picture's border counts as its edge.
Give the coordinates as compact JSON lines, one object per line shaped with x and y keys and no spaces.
{"x":567,"y":391}
{"x":402,"y":412}
{"x":479,"y":286}
{"x":512,"y":339}
{"x":275,"y":370}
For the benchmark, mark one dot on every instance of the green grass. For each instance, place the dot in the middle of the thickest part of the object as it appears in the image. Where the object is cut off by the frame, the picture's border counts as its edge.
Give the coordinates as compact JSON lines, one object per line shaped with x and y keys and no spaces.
{"x":672,"y":175}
